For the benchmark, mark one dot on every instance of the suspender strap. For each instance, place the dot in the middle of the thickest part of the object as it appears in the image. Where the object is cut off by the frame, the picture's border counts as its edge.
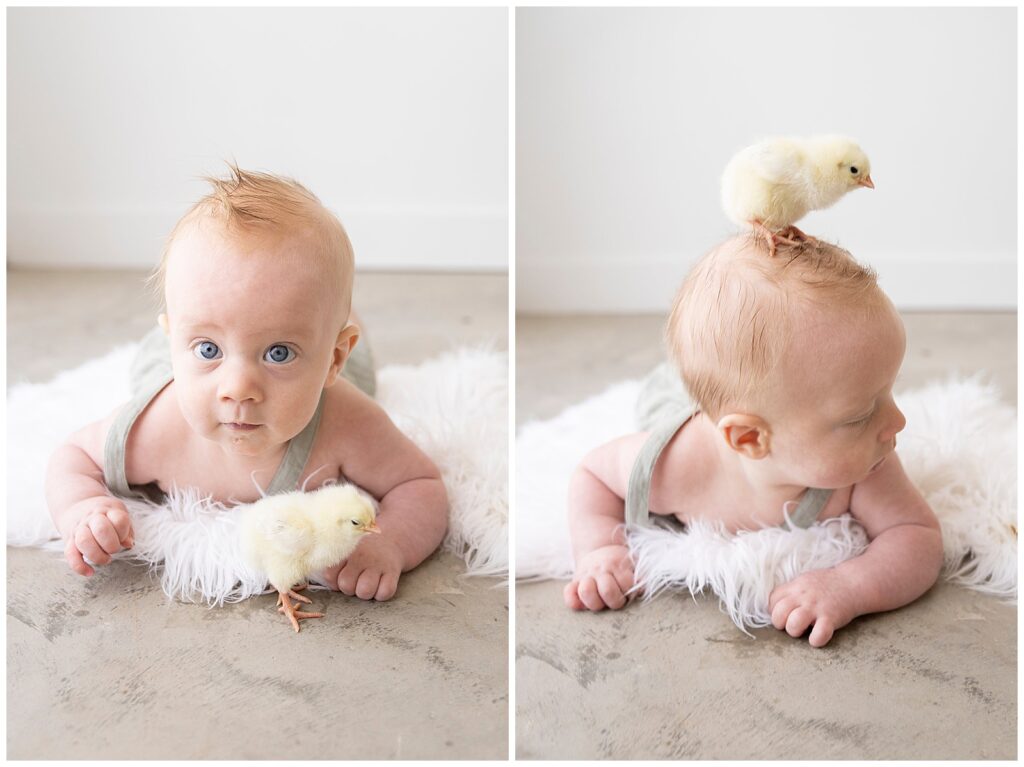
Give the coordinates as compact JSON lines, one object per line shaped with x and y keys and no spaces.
{"x":294,"y":462}
{"x":808,"y":508}
{"x":114,"y":448}
{"x":638,"y":491}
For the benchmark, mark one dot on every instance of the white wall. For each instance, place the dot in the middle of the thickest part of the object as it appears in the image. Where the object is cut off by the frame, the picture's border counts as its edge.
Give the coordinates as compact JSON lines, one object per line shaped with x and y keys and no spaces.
{"x":626,"y":118}
{"x":396,"y":118}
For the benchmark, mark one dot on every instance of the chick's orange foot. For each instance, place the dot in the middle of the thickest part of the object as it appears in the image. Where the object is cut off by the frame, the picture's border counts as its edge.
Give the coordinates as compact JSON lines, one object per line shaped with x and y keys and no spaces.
{"x":287,"y":608}
{"x":788,"y":236}
{"x":791,"y":236}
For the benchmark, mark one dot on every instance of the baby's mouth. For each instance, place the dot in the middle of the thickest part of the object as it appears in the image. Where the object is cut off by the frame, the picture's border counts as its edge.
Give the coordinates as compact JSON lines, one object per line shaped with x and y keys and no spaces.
{"x":234,"y":426}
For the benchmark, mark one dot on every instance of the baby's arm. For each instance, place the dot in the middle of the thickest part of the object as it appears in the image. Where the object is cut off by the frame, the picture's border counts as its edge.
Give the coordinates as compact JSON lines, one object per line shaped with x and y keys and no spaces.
{"x":92,"y":523}
{"x":413,"y":515}
{"x":604,"y":570}
{"x":902,"y":561}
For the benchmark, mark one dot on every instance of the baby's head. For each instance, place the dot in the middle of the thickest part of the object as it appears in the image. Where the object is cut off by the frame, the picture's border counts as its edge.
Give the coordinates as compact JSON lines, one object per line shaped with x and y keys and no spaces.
{"x":257,"y":282}
{"x":793,"y":357}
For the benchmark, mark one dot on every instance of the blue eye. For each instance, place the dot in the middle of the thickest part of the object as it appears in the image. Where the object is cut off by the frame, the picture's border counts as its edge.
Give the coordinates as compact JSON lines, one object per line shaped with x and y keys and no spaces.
{"x":207,"y":350}
{"x":279,"y":354}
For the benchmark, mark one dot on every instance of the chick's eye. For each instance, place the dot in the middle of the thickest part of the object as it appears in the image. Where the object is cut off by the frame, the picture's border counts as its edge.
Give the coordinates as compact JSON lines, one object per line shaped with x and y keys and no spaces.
{"x":279,"y":354}
{"x":207,"y":350}
{"x":853,"y":169}
{"x":355,"y":522}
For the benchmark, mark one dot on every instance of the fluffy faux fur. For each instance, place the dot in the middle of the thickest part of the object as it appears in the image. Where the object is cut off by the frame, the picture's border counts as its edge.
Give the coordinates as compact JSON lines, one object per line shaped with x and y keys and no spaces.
{"x":454,"y":407}
{"x":959,"y":448}
{"x":741,"y":569}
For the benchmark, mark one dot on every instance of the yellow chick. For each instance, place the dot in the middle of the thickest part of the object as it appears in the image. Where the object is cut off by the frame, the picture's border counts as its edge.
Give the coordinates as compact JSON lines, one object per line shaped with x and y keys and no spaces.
{"x":293,"y":535}
{"x":774,"y":183}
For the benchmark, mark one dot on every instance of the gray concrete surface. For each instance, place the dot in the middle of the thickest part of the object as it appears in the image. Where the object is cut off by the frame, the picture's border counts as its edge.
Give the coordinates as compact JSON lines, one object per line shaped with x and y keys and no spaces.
{"x":675,"y":679}
{"x":107,"y":668}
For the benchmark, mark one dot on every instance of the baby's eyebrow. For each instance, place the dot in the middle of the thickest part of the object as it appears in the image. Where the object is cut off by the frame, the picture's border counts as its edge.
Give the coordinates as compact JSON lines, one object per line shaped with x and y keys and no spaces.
{"x":280,"y":333}
{"x":192,"y":325}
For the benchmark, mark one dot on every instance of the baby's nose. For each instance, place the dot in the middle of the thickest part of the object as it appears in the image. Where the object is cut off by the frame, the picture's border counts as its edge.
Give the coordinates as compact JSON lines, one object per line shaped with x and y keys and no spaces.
{"x":897,"y":422}
{"x":239,"y":384}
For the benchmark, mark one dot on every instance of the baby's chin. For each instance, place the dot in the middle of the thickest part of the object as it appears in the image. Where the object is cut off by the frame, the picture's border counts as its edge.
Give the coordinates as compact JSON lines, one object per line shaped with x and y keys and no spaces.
{"x":834,"y":480}
{"x":844,"y":479}
{"x":251,"y":443}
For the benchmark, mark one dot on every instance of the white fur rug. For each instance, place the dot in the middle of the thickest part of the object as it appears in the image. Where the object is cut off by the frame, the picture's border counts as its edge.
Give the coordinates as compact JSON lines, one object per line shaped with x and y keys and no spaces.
{"x":959,"y":448}
{"x":454,"y":407}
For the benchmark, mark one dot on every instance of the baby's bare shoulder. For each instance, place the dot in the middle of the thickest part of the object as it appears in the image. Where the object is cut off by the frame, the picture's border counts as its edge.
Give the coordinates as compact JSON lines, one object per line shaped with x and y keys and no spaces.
{"x":92,"y":437}
{"x":158,"y":434}
{"x":350,"y":416}
{"x":613,"y":461}
{"x":359,"y":437}
{"x":683,"y":471}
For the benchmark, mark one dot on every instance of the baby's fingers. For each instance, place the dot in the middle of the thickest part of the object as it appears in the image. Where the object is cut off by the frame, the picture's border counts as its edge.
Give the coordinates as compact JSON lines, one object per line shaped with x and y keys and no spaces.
{"x":572,"y":599}
{"x":611,"y":593}
{"x":87,"y":544}
{"x":798,"y":621}
{"x":347,"y":577}
{"x":779,"y":593}
{"x":122,"y":524}
{"x":366,"y":586}
{"x":821,"y":633}
{"x":626,"y":579}
{"x":75,"y":560}
{"x":105,"y":534}
{"x":780,"y":612}
{"x":589,"y":594}
{"x":387,"y":588}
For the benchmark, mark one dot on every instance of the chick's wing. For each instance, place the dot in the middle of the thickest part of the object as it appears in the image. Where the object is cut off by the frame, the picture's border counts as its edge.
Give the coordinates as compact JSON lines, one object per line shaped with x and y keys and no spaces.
{"x":275,"y":527}
{"x":778,"y":161}
{"x":290,"y":535}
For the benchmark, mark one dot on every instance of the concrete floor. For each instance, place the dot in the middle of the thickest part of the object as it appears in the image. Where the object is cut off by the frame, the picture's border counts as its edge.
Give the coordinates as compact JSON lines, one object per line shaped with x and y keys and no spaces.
{"x":106,"y":668}
{"x":675,"y":679}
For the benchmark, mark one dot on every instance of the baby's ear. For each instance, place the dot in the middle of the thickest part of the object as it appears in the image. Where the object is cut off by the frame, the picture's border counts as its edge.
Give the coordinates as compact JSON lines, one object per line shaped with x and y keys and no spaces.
{"x":343,"y":346}
{"x":748,"y":435}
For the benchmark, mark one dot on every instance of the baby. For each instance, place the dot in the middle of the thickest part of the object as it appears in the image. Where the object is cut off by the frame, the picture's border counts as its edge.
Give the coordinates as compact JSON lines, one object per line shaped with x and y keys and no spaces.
{"x":245,"y":384}
{"x":791,"y":362}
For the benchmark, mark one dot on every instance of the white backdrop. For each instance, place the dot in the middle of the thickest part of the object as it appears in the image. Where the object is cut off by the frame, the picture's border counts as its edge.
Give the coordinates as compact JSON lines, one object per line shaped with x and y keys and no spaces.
{"x":625,"y":119}
{"x":396,"y":118}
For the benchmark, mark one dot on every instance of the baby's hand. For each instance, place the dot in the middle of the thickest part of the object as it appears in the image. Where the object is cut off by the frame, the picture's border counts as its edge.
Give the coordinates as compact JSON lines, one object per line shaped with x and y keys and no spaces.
{"x":371,"y":572}
{"x":103,"y":528}
{"x":602,"y":579}
{"x":821,"y":597}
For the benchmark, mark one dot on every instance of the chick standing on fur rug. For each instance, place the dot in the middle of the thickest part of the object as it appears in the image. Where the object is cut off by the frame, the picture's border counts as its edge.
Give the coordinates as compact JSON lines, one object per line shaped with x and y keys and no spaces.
{"x":776,"y":182}
{"x":294,"y":535}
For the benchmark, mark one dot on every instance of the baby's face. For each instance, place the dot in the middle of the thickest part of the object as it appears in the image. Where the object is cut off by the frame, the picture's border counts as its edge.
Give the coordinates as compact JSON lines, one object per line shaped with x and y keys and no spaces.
{"x":252,"y":333}
{"x":834,"y":419}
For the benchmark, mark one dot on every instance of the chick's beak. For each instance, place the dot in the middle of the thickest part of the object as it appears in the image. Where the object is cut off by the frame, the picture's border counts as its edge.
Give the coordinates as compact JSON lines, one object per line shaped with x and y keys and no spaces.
{"x":866,"y":181}
{"x":371,"y":528}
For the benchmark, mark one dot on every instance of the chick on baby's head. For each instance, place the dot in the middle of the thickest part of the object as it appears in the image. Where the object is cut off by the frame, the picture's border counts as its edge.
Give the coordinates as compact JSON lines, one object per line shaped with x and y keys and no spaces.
{"x":842,"y":163}
{"x":735,"y":313}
